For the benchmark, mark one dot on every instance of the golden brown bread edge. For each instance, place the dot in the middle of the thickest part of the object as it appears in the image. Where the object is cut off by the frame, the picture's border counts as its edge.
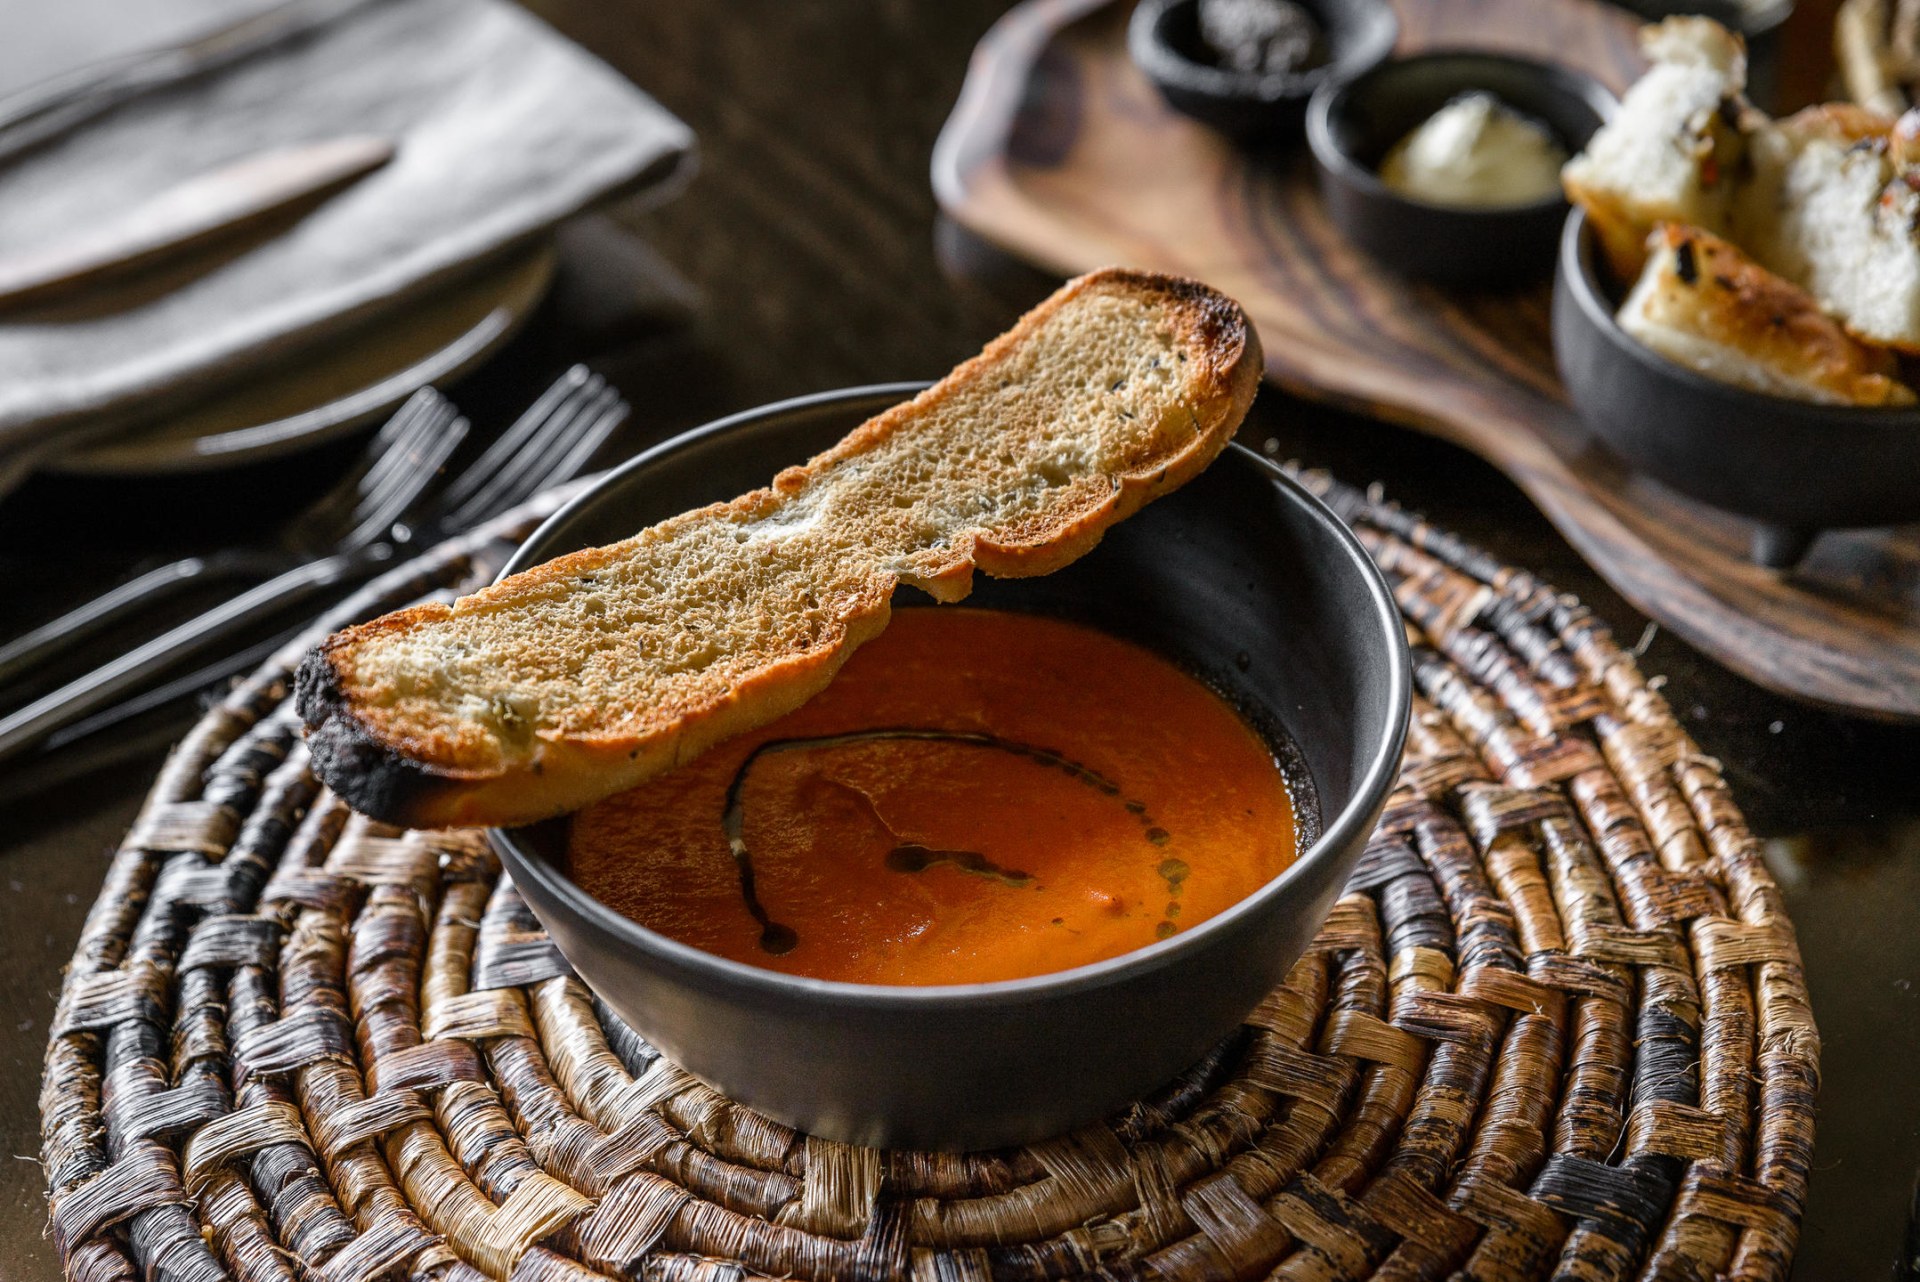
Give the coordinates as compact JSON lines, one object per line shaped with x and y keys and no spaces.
{"x":398,"y":780}
{"x":1707,"y":288}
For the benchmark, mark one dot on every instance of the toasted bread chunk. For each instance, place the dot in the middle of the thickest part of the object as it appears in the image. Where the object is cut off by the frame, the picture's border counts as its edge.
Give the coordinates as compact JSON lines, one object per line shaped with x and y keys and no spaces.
{"x":1828,"y":198}
{"x":600,"y":669}
{"x":1704,"y":304}
{"x":1830,"y":204}
{"x":1671,"y":152}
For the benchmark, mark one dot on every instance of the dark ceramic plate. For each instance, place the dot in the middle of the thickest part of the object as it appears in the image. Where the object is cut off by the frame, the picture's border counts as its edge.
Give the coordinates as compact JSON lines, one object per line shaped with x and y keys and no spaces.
{"x":1352,"y":125}
{"x":1163,"y":38}
{"x":1796,"y":467}
{"x":1241,"y":577}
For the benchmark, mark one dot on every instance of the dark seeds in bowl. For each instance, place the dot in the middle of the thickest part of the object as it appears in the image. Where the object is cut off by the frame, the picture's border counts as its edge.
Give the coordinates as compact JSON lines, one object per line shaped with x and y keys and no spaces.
{"x":1265,"y":36}
{"x":1265,"y":105}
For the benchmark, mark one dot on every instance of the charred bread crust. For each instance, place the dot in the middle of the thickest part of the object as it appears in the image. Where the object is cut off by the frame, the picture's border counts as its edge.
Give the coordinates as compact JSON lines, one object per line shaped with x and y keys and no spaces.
{"x":419,"y":780}
{"x":368,"y":773}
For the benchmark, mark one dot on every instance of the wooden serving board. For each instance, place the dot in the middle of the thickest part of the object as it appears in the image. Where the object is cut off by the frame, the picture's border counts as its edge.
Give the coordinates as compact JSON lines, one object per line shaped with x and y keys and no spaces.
{"x":1062,"y":152}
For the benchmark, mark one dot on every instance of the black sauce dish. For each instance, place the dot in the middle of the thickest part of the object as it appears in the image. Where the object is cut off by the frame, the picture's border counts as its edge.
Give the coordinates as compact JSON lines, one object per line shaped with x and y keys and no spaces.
{"x":1243,"y":578}
{"x":1353,"y":124}
{"x":1795,"y":467}
{"x":1254,"y":107}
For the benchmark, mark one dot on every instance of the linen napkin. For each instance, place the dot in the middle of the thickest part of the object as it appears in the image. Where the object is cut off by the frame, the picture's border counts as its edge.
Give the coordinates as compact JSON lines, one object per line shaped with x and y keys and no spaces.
{"x":502,"y":129}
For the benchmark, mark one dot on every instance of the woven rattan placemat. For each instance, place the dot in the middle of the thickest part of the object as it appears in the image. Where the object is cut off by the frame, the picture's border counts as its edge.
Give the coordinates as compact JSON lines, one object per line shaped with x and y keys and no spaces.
{"x":1557,"y":1027}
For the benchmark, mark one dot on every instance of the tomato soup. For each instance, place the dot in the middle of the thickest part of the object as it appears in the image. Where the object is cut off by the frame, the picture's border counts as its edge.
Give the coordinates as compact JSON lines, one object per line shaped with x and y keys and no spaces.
{"x":978,"y":796}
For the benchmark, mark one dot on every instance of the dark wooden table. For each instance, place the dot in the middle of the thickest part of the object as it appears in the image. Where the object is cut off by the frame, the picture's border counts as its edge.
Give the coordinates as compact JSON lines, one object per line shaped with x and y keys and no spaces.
{"x":816,"y":260}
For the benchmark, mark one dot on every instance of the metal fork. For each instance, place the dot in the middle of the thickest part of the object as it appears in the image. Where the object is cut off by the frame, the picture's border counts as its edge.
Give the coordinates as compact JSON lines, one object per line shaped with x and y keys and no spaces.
{"x":389,"y":474}
{"x":550,"y":443}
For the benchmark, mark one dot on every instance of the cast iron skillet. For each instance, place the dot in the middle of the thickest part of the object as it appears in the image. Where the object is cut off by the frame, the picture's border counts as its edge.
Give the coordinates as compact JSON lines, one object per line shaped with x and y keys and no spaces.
{"x":1796,"y":467}
{"x":1243,"y":578}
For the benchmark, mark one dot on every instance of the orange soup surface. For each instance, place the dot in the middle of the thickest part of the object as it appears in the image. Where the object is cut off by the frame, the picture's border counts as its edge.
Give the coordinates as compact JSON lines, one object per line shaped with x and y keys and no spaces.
{"x":979,"y":795}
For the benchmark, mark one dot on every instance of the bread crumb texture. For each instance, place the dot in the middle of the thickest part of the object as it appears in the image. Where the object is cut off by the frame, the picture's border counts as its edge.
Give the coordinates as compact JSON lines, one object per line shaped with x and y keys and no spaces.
{"x":1118,"y":387}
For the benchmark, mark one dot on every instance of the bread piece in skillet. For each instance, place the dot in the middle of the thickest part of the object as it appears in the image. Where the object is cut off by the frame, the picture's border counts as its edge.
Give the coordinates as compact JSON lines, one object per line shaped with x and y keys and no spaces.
{"x":1704,"y":304}
{"x":602,"y":668}
{"x":1831,"y":204}
{"x":1673,"y":150}
{"x":1828,"y":198}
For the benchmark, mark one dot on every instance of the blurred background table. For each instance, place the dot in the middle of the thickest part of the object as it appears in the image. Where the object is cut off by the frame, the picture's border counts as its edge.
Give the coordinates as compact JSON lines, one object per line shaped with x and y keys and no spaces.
{"x":805,"y":255}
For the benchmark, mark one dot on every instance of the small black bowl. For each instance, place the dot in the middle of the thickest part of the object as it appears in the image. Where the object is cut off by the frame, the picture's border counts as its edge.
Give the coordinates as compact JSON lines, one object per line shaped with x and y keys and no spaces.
{"x":1250,"y":106}
{"x":1796,"y":467}
{"x":1352,"y":125}
{"x":1240,"y":576}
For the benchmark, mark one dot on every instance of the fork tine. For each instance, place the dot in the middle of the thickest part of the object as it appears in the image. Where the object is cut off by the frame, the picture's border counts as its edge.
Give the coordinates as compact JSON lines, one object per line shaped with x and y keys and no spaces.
{"x":380,"y":460}
{"x":332,"y":511}
{"x":532,"y":446}
{"x":612,"y":414}
{"x":395,"y":467}
{"x":599,"y":424}
{"x":561,"y":453}
{"x":510,"y":442}
{"x":425,"y":459}
{"x":535,"y":466}
{"x":397,"y":470}
{"x":399,"y":481}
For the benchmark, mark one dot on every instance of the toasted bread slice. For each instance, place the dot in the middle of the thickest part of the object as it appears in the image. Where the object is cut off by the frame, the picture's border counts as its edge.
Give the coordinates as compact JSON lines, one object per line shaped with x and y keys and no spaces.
{"x":1704,"y":304}
{"x":1673,"y":150}
{"x":598,"y":670}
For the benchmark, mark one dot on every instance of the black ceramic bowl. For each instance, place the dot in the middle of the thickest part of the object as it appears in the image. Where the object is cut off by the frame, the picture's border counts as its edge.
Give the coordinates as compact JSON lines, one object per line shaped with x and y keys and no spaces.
{"x":1240,"y":576}
{"x":1352,"y":125}
{"x":1254,"y":107}
{"x":1796,"y":467}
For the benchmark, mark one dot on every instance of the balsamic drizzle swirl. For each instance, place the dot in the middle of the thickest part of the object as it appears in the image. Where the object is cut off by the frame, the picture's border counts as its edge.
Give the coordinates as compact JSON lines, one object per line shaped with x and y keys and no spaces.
{"x":777,"y":938}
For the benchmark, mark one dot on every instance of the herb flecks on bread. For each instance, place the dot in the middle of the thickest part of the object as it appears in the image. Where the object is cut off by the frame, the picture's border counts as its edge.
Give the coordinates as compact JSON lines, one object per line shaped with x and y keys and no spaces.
{"x":1704,"y":304}
{"x":598,"y":670}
